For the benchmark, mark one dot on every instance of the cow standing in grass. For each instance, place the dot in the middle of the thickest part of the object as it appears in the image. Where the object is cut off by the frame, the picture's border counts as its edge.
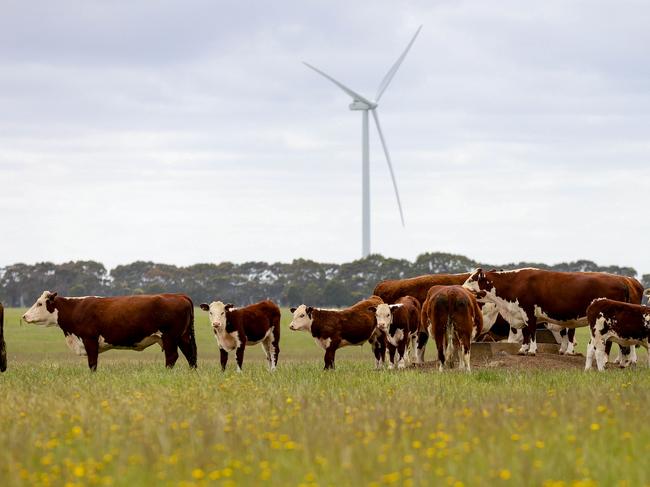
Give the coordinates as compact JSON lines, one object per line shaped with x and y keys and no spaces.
{"x":335,"y":329}
{"x":93,"y":325}
{"x":613,"y":321}
{"x":400,"y":323}
{"x":235,"y":328}
{"x":452,"y":315}
{"x":3,"y":350}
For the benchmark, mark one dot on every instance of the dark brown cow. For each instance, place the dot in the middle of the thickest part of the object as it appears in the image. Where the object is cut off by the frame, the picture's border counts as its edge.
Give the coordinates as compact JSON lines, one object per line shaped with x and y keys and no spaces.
{"x":525,"y":296}
{"x":452,"y":315}
{"x":3,"y":350}
{"x":235,"y":328}
{"x":335,"y":329}
{"x":613,"y":321}
{"x":400,"y":322}
{"x":92,"y":325}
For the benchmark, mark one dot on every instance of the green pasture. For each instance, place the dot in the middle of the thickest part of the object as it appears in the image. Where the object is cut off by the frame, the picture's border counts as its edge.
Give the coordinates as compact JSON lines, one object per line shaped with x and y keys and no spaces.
{"x":136,"y":423}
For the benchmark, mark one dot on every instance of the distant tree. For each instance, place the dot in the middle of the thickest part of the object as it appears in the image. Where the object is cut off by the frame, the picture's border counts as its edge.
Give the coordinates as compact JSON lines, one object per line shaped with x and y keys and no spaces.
{"x":336,"y":294}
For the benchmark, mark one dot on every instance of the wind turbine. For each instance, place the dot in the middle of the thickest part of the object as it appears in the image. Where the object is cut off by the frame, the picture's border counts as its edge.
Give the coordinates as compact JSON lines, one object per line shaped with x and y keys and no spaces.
{"x":364,"y":105}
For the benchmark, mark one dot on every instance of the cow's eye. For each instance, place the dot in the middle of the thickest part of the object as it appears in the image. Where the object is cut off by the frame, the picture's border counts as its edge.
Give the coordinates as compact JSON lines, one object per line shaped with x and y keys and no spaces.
{"x":301,"y":316}
{"x":40,"y":304}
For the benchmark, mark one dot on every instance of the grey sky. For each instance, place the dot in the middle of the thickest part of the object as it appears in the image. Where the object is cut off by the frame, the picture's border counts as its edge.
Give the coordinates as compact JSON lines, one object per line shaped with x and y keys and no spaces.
{"x":189,"y":132}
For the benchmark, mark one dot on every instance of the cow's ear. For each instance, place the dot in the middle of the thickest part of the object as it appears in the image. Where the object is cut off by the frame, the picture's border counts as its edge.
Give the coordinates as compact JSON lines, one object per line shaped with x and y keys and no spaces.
{"x":309,"y":310}
{"x":204,"y":306}
{"x":229,"y":306}
{"x":51,"y":296}
{"x":372,"y":309}
{"x":293,"y":310}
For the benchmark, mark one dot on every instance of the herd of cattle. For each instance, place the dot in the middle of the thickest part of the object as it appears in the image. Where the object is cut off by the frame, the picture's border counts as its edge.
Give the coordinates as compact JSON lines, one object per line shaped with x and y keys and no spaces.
{"x":457,"y":309}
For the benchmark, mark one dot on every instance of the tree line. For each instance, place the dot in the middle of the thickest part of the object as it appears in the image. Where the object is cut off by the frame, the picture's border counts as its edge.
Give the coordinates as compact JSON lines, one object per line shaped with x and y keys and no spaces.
{"x":301,"y":281}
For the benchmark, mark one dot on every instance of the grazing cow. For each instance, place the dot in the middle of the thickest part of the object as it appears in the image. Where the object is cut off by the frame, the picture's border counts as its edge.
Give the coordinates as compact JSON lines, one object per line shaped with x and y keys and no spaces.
{"x":335,"y":329}
{"x":93,"y":325}
{"x":452,"y":315}
{"x":418,"y":287}
{"x":400,"y":322}
{"x":525,"y":296}
{"x":3,"y":350}
{"x":234,"y":328}
{"x":614,"y":321}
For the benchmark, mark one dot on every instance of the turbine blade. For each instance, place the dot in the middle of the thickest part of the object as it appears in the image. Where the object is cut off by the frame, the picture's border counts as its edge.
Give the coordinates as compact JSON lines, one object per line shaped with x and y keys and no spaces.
{"x":353,"y":94}
{"x":390,"y":165}
{"x":391,"y":72}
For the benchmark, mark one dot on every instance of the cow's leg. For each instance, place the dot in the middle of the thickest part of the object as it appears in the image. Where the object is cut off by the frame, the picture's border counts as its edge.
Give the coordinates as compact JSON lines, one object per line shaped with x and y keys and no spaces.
{"x":608,"y":350}
{"x":645,"y":344}
{"x":224,"y":358}
{"x":440,"y":346}
{"x":239,"y":355}
{"x":633,"y":356}
{"x":590,"y":354}
{"x":529,"y":346}
{"x":571,"y":341}
{"x":391,"y":355}
{"x":330,"y":353}
{"x":515,"y":335}
{"x":401,"y":352}
{"x":564,"y":340}
{"x":380,"y":351}
{"x":92,"y":351}
{"x":465,"y":347}
{"x":423,"y":338}
{"x":266,"y":346}
{"x":187,"y":344}
{"x":170,"y":346}
{"x":275,"y":346}
{"x":413,"y":346}
{"x":601,"y":356}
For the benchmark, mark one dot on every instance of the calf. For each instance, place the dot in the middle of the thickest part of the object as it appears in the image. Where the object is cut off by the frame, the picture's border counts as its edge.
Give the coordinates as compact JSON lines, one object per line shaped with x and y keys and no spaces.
{"x":234,"y":328}
{"x":93,"y":325}
{"x":335,"y":329}
{"x":3,"y":351}
{"x":400,"y":323}
{"x":623,"y":323}
{"x":452,"y":315}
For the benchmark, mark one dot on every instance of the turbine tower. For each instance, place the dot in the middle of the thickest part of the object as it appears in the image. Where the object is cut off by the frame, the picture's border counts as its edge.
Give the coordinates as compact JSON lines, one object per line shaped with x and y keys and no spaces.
{"x":364,"y":105}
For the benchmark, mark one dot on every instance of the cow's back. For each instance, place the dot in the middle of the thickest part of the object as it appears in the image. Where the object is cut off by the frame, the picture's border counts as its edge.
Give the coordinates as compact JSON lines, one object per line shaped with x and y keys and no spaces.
{"x":258,"y":318}
{"x":391,"y":290}
{"x":354,"y":324}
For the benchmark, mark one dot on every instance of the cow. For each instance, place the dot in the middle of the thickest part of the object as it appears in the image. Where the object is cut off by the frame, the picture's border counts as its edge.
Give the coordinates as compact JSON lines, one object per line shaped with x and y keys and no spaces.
{"x":93,"y":325}
{"x":525,"y":296}
{"x":400,"y":323}
{"x":3,"y":349}
{"x":614,"y":321}
{"x":235,"y":328}
{"x":452,"y":315}
{"x":418,"y":287}
{"x":333,"y":329}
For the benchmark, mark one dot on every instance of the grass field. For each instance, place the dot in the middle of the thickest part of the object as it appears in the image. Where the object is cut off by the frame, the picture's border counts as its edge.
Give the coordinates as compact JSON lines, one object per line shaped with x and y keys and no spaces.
{"x":136,"y":423}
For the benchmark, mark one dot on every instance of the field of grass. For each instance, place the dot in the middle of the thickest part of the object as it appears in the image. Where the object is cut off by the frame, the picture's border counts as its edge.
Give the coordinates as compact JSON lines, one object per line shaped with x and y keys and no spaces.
{"x":136,"y":423}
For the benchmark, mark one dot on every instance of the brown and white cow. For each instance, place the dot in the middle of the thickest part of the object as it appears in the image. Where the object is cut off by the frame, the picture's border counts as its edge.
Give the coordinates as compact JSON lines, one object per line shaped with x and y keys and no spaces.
{"x":400,"y":322}
{"x":525,"y":296}
{"x":93,"y":325}
{"x":333,"y":329}
{"x":3,"y":350}
{"x":614,"y":321}
{"x":452,"y":315}
{"x":235,"y":328}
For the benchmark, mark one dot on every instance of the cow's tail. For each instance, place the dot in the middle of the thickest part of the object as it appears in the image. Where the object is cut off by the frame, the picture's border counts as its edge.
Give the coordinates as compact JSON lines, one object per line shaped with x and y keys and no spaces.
{"x":3,"y":350}
{"x":449,"y":335}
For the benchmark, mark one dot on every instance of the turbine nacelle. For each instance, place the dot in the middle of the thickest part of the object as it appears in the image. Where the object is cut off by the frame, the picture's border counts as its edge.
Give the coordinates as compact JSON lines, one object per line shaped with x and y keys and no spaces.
{"x":362,"y":105}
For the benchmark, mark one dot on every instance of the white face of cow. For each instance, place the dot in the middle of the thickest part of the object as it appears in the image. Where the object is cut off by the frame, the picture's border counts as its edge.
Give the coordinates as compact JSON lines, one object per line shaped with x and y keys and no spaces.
{"x":217,"y":314}
{"x":302,"y":319}
{"x":42,"y":312}
{"x":384,"y":315}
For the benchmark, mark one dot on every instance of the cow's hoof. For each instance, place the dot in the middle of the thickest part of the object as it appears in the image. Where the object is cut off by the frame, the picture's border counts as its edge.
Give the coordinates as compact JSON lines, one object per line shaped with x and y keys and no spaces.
{"x":522,"y":352}
{"x":532,"y":354}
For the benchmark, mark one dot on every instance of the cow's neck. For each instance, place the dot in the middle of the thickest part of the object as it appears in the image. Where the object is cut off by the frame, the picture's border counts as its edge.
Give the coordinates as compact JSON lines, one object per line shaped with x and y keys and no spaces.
{"x":65,"y":309}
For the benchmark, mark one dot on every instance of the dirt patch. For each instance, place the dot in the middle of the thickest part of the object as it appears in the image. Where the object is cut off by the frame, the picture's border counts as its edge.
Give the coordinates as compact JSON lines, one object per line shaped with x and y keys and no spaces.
{"x":545,"y":361}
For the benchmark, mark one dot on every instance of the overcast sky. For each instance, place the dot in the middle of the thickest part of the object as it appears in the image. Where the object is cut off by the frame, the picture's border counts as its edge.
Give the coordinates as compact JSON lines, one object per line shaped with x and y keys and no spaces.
{"x":189,"y":131}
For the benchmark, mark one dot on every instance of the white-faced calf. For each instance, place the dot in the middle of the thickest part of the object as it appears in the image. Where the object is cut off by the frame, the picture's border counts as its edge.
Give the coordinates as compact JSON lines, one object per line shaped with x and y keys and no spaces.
{"x":400,"y":323}
{"x":234,"y":328}
{"x":622,"y":323}
{"x":335,"y":329}
{"x":452,"y":315}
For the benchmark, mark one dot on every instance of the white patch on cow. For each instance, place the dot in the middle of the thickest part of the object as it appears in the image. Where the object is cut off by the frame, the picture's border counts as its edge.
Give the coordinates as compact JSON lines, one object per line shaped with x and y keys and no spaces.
{"x":301,"y":320}
{"x":490,"y":313}
{"x":75,"y":344}
{"x":515,"y":336}
{"x":217,"y":314}
{"x":419,"y":355}
{"x":269,"y":349}
{"x":83,"y":297}
{"x":396,"y":338}
{"x":227,"y":341}
{"x":39,"y":315}
{"x":324,"y":343}
{"x":384,"y":317}
{"x":570,"y":349}
{"x":515,"y":271}
{"x":511,"y":311}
